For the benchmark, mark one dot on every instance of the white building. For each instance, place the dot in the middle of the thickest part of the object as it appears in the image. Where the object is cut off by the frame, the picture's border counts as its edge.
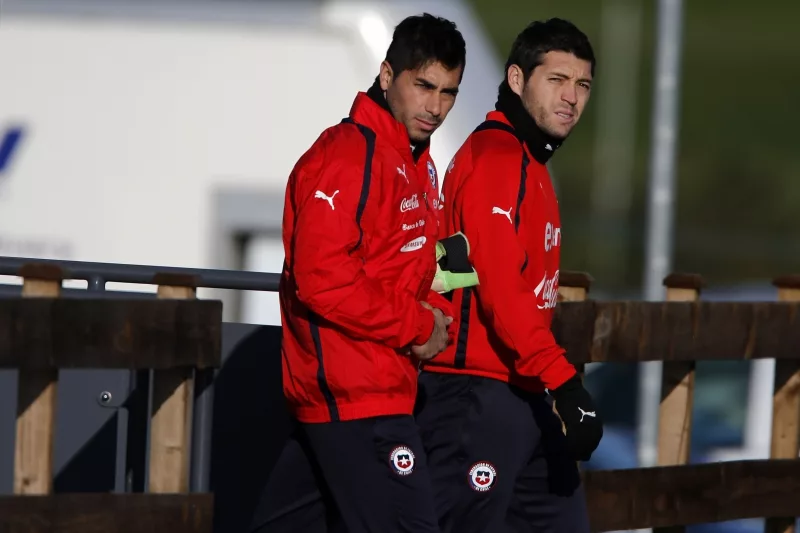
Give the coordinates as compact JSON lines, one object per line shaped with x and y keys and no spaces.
{"x":162,"y":132}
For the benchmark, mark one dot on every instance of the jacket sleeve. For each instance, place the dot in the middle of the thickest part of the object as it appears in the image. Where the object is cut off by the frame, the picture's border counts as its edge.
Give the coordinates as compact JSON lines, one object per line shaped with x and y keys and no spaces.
{"x":438,"y":301}
{"x":435,"y":299}
{"x":330,"y":277}
{"x":504,"y":296}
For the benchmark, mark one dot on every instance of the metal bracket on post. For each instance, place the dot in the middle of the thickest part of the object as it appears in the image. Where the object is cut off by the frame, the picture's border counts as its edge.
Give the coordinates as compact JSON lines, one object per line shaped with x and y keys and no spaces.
{"x":105,"y":399}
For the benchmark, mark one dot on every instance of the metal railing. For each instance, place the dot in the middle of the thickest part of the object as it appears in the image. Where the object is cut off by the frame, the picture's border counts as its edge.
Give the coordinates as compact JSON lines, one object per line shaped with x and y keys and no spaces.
{"x":97,"y":275}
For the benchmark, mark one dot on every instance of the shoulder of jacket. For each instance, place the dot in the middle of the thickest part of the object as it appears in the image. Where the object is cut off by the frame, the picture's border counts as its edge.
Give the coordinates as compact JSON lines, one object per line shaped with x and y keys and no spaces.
{"x":495,"y":149}
{"x":342,"y":144}
{"x":495,"y":139}
{"x":338,"y":154}
{"x":347,"y":137}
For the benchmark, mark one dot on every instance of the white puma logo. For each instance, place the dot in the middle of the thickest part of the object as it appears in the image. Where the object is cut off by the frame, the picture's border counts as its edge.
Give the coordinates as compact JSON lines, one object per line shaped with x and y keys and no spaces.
{"x":321,"y":195}
{"x":402,"y":172}
{"x":498,"y":211}
{"x":586,"y":413}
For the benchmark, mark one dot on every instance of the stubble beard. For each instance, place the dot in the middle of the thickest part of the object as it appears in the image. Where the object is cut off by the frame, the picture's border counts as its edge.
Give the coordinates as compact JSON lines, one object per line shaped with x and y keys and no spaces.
{"x":540,"y":115}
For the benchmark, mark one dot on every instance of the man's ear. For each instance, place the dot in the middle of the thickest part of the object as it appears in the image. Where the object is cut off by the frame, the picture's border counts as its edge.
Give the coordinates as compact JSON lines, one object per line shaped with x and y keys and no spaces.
{"x":516,"y":79}
{"x":386,"y":76}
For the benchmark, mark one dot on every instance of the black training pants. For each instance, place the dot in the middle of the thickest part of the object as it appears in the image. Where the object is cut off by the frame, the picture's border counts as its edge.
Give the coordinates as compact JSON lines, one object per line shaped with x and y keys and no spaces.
{"x":497,"y":458}
{"x":359,"y":476}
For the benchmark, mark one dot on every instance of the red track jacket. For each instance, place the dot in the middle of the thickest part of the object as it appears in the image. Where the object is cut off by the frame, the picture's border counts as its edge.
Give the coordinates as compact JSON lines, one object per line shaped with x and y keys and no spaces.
{"x":503,"y":200}
{"x":359,"y":233}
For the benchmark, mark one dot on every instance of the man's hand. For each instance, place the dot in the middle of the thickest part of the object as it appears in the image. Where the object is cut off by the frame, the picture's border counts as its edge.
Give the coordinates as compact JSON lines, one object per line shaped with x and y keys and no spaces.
{"x":438,"y":339}
{"x":583,"y":425}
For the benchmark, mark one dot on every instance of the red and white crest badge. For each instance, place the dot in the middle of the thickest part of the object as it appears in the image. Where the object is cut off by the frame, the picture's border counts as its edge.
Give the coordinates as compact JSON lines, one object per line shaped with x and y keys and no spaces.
{"x":482,"y":476}
{"x":402,"y":460}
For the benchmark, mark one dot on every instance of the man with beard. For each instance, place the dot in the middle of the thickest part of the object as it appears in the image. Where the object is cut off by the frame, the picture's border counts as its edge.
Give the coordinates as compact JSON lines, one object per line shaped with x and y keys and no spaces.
{"x":360,"y":233}
{"x":496,"y":451}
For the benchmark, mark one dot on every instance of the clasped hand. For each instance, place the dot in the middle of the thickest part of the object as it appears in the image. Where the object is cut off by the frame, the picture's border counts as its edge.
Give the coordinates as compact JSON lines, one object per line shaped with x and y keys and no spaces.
{"x":438,"y":340}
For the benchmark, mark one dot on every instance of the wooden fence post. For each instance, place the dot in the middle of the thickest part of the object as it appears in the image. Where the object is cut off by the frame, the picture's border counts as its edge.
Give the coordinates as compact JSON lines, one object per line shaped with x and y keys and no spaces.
{"x":573,"y":287}
{"x":677,"y":389}
{"x":785,"y":405}
{"x":171,"y":418}
{"x":40,"y":334}
{"x":677,"y":385}
{"x":36,"y":400}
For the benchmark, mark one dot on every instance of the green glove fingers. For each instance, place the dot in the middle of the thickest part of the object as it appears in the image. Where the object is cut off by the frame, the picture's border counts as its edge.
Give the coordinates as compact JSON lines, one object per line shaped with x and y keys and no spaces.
{"x":446,"y":281}
{"x":441,"y":251}
{"x":453,"y":269}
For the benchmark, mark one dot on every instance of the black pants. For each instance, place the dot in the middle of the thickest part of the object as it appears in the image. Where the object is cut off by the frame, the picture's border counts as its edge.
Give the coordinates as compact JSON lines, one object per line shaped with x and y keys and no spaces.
{"x":360,"y":476}
{"x":497,"y":458}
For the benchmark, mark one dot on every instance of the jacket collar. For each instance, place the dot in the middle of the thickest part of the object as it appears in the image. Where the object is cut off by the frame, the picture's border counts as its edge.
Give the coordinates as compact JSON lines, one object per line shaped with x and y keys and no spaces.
{"x":371,"y":109}
{"x":540,"y":145}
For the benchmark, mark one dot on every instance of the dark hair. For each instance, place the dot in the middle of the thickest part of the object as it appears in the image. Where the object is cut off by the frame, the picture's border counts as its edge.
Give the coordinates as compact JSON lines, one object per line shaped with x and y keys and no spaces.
{"x":421,"y":39}
{"x":550,"y":35}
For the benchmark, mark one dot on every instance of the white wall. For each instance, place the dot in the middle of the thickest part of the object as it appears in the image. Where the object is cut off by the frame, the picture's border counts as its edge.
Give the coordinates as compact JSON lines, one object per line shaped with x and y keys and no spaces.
{"x":264,"y":253}
{"x":130,"y":126}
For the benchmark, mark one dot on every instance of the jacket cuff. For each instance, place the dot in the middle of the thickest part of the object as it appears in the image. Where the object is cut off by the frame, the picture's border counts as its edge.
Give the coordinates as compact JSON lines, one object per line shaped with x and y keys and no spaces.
{"x":424,"y":326}
{"x":558,"y":373}
{"x":440,"y":302}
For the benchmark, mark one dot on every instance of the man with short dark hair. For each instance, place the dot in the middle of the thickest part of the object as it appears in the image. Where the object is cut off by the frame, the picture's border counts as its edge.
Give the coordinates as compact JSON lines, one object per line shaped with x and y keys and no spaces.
{"x":360,"y":233}
{"x":496,"y":450}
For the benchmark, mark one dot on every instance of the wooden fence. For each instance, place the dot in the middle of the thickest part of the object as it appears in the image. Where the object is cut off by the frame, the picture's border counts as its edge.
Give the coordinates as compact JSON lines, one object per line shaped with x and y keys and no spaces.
{"x":679,"y":332}
{"x":41,"y":333}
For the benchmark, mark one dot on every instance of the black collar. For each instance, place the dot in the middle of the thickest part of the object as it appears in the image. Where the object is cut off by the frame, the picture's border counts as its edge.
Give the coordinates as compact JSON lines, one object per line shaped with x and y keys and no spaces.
{"x":376,"y":94}
{"x":541,"y":145}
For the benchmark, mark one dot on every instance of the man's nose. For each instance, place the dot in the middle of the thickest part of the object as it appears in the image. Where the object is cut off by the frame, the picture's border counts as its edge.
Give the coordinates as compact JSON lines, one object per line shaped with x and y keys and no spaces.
{"x":434,"y":105}
{"x":569,"y":94}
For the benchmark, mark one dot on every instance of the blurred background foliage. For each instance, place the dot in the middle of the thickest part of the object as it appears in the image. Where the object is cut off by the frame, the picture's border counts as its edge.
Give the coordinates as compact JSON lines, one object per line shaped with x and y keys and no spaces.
{"x":737,"y":167}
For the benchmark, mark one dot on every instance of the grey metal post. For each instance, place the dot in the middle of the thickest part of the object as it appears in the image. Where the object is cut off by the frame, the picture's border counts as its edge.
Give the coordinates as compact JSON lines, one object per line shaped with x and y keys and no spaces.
{"x":202,"y":422}
{"x":97,"y":283}
{"x":661,"y":197}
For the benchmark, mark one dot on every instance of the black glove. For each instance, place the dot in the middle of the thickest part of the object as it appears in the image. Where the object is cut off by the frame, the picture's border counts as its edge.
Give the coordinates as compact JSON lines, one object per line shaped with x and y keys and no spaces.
{"x":583,"y":425}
